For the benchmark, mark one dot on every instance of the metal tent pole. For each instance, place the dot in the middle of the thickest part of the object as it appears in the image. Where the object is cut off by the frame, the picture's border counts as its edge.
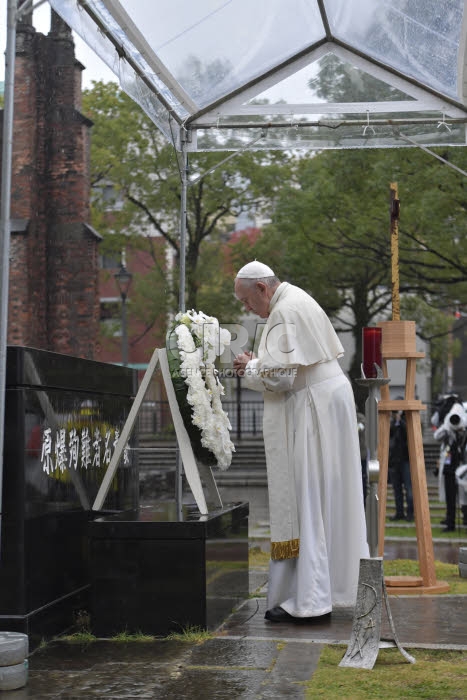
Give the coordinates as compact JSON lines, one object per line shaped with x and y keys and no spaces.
{"x":5,"y":225}
{"x":181,"y":303}
{"x":182,"y":255}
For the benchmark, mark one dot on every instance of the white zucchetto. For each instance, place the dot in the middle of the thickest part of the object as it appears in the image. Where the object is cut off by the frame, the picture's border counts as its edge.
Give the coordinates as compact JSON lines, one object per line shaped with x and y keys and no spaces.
{"x":255,"y":270}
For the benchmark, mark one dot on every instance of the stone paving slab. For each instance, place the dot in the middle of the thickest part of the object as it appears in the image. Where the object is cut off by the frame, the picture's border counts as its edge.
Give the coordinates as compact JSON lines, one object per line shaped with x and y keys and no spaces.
{"x":258,"y":581}
{"x":101,"y":669}
{"x":420,"y":620}
{"x":243,"y":668}
{"x":217,"y":668}
{"x":215,"y":684}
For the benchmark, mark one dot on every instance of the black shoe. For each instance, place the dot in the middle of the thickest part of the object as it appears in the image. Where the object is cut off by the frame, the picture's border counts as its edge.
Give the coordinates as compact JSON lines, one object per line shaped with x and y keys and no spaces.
{"x":278,"y":614}
{"x":448,"y":529}
{"x":409,"y":518}
{"x":316,"y":620}
{"x":443,"y":522}
{"x":397,"y":516}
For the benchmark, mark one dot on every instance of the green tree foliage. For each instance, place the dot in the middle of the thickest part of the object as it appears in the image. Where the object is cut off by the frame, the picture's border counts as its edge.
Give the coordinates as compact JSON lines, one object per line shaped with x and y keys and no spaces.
{"x":338,"y":81}
{"x":434,"y":327}
{"x":132,"y":161}
{"x":331,"y":235}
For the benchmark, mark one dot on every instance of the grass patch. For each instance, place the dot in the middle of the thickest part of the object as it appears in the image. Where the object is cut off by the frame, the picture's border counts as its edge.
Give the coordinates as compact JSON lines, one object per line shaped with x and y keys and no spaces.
{"x":436,"y":531}
{"x":132,"y":637}
{"x":188,"y":634}
{"x":191,"y":634}
{"x":444,"y":572}
{"x":259,"y":559}
{"x":436,"y":674}
{"x":79,"y":638}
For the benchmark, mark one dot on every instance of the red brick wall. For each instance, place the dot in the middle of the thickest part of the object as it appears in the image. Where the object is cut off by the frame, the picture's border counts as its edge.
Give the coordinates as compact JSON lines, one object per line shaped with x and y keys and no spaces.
{"x":53,"y":297}
{"x":27,"y":290}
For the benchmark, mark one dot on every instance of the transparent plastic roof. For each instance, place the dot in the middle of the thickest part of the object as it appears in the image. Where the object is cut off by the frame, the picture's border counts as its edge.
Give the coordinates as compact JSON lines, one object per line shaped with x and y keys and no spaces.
{"x":286,"y":73}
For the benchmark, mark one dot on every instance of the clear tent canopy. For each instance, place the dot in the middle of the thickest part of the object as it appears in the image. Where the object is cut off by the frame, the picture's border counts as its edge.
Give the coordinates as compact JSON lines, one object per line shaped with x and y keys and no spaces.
{"x":280,"y":74}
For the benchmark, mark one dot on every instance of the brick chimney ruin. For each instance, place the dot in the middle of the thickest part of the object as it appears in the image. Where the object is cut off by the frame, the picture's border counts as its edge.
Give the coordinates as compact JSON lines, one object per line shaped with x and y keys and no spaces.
{"x":53,"y":293}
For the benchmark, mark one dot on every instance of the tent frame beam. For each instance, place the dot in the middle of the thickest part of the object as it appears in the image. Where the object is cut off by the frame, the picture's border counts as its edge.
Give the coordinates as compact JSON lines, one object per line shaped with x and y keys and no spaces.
{"x":242,"y":103}
{"x":321,"y":44}
{"x":134,"y":65}
{"x":132,"y":32}
{"x":328,"y":124}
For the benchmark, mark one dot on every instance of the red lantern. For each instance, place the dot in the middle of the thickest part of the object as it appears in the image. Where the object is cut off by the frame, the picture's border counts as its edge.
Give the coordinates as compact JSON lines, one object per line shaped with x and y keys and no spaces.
{"x":371,"y":350}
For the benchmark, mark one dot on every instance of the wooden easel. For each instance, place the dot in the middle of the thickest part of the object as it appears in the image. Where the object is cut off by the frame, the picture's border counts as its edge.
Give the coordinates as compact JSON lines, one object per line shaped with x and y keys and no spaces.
{"x":399,"y":343}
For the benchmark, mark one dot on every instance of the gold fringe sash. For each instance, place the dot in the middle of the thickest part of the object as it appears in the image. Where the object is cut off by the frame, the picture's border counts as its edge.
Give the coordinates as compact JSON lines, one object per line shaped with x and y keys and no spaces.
{"x":285,"y":550}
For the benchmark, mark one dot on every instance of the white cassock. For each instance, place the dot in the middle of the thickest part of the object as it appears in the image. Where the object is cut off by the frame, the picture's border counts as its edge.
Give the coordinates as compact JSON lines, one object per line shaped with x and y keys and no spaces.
{"x":313,"y":459}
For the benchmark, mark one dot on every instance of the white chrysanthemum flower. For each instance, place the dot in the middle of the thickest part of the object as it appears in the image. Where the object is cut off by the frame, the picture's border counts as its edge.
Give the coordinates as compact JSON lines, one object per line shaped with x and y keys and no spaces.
{"x":200,"y":340}
{"x":224,"y":339}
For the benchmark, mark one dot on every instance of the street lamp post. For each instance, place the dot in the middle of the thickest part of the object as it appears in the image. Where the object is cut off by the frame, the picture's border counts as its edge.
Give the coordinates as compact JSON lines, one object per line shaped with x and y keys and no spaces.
{"x":123,"y":278}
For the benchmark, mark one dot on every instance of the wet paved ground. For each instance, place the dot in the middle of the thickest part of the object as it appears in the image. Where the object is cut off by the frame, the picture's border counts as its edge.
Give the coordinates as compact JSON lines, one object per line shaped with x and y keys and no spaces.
{"x":217,"y":669}
{"x":247,"y":657}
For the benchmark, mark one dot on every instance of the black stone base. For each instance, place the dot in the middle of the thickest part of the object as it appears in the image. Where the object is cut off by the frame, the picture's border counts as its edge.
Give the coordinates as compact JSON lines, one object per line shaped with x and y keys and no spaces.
{"x":154,"y":574}
{"x":55,"y":618}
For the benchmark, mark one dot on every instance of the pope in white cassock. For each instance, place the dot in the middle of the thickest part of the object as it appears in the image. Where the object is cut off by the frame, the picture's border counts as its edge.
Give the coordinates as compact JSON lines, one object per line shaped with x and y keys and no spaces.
{"x":318,"y":530}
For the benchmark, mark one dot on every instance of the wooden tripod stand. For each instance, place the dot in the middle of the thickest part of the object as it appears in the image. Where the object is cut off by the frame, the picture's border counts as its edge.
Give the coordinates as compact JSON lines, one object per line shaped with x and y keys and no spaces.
{"x":398,"y":342}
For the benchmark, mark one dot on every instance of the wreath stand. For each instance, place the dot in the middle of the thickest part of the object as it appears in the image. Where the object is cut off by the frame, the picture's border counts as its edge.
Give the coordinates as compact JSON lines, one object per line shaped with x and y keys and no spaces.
{"x":196,"y":473}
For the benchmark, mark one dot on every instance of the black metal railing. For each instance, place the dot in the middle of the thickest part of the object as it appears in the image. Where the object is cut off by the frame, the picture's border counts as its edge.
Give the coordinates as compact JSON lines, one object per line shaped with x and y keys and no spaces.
{"x":245,"y":417}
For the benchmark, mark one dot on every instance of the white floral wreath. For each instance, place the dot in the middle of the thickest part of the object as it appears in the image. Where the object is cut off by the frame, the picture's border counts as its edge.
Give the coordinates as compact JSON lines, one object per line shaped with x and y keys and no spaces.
{"x":199,"y":341}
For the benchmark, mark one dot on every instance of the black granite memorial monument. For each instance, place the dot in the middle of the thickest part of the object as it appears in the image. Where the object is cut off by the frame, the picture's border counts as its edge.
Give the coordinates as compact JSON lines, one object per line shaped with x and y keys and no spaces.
{"x":63,"y":416}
